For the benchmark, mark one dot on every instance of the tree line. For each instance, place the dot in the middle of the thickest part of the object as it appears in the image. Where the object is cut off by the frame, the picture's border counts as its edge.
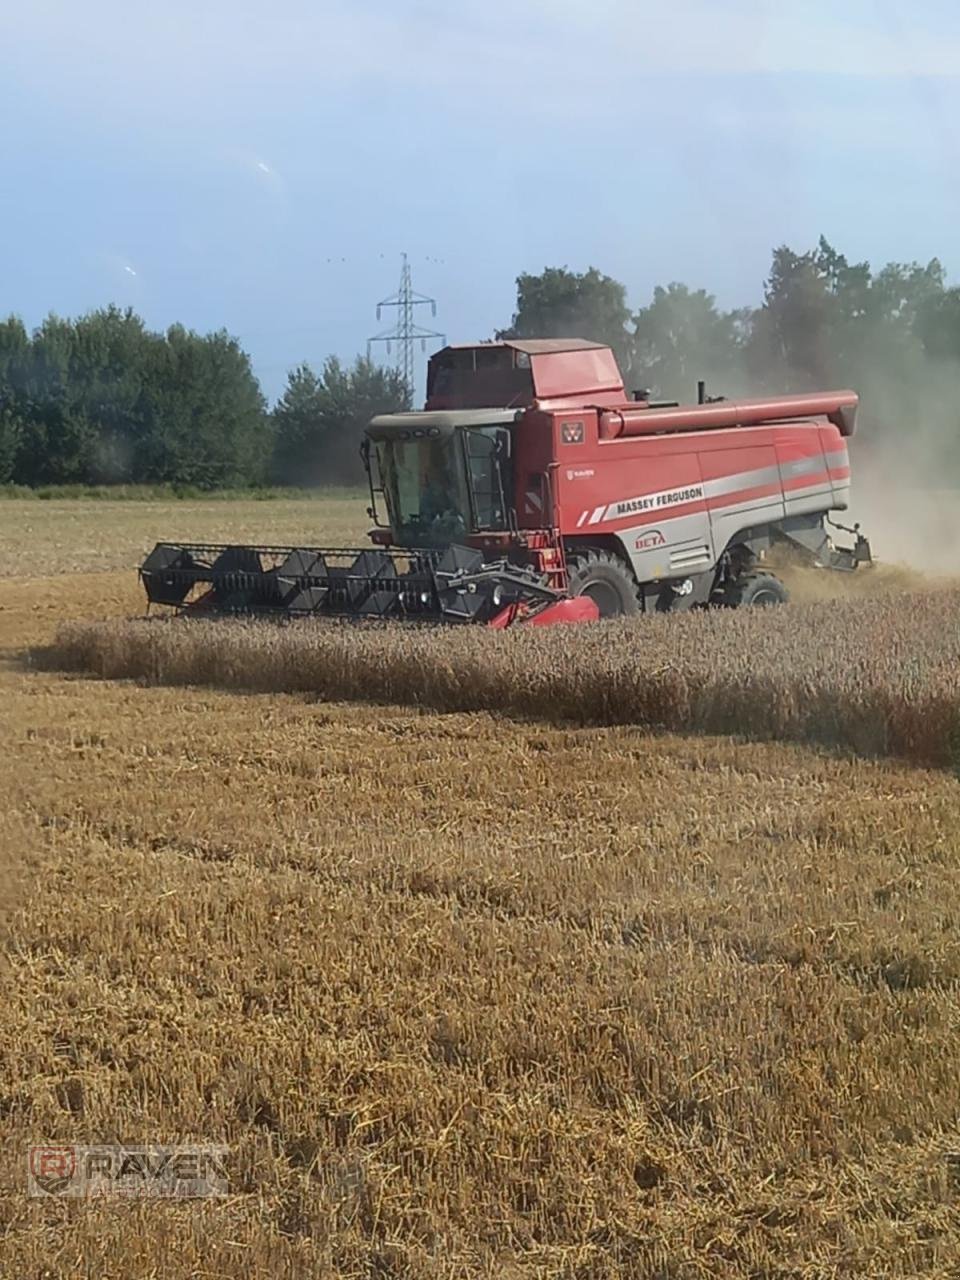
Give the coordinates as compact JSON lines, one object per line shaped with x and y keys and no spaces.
{"x":102,"y":399}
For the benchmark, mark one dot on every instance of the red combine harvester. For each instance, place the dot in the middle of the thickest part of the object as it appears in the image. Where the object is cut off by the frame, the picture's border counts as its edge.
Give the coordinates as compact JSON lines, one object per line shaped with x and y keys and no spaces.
{"x":532,"y":489}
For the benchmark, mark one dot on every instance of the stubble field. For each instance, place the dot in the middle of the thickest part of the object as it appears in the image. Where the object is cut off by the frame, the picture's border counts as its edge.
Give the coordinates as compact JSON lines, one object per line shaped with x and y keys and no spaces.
{"x":465,"y":995}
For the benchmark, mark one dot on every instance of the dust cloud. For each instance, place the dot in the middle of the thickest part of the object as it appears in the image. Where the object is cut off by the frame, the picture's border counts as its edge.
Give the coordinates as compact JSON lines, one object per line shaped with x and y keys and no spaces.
{"x":909,"y":525}
{"x":905,"y":462}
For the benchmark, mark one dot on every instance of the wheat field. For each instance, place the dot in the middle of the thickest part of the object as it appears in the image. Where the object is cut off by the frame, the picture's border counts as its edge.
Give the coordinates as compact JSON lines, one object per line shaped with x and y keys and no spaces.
{"x":470,"y":992}
{"x":878,"y":676}
{"x":56,"y":536}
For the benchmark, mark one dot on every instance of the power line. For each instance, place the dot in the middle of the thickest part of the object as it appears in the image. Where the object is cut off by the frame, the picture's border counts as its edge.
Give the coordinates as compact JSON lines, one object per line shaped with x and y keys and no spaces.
{"x":405,"y":333}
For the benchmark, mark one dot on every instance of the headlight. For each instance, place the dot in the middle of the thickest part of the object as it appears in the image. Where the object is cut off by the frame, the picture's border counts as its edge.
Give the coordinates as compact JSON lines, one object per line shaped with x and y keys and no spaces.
{"x":498,"y":595}
{"x":424,"y":597}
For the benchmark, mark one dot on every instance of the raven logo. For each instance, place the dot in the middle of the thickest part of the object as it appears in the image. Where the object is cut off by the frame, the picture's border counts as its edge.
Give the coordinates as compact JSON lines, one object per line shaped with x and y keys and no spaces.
{"x":52,"y":1168}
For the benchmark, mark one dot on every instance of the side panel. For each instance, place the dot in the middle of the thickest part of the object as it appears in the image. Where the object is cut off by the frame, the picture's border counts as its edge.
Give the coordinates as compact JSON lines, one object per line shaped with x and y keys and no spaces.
{"x":742,"y":486}
{"x":838,"y":462}
{"x":647,"y":493}
{"x":669,"y":548}
{"x":675,"y":502}
{"x":803,"y":470}
{"x":534,"y":454}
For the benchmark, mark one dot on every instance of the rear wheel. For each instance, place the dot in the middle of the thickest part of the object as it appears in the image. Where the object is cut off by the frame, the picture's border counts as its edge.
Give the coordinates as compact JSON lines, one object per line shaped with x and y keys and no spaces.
{"x":754,"y":589}
{"x":607,"y":580}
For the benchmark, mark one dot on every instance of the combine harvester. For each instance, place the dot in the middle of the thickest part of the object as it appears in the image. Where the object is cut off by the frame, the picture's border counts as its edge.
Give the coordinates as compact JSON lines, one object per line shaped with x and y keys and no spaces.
{"x":533,"y":490}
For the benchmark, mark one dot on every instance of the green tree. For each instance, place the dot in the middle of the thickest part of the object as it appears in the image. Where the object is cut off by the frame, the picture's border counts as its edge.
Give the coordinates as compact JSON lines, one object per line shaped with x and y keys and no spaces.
{"x":938,"y":325}
{"x":102,"y":399}
{"x":14,"y":352}
{"x":824,"y":318}
{"x":792,"y":334}
{"x":320,"y":419}
{"x":563,"y":304}
{"x":109,"y":386}
{"x":11,"y":436}
{"x":204,"y":419}
{"x":299,"y":429}
{"x":682,"y":337}
{"x":901,"y":292}
{"x":60,"y":440}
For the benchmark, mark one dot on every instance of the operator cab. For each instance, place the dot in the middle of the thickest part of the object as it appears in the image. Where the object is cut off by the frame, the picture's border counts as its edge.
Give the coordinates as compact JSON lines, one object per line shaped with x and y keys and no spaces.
{"x":444,"y":476}
{"x":518,"y":373}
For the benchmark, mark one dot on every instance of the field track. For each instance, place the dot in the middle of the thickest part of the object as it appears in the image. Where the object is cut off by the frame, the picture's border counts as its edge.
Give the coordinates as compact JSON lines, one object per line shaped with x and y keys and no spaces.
{"x":466,"y":995}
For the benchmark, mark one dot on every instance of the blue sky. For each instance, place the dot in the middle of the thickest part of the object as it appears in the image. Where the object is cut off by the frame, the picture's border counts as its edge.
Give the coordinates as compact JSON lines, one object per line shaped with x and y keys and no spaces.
{"x":261,"y":166}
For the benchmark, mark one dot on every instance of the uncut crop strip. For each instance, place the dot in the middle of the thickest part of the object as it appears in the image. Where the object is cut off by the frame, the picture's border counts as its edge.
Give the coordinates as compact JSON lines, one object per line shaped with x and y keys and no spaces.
{"x":879,"y":677}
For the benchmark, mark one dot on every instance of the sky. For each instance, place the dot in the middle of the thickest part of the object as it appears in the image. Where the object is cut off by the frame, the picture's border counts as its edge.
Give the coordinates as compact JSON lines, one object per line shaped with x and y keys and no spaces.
{"x":260,"y":165}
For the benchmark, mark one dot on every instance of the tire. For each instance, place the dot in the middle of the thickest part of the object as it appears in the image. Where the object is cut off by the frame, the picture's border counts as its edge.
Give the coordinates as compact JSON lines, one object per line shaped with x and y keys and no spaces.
{"x":607,"y":580}
{"x":754,"y":589}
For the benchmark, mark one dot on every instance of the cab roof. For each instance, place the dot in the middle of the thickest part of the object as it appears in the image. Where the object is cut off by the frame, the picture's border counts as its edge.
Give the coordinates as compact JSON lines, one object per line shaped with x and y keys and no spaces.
{"x":520,"y":372}
{"x":386,"y":426}
{"x":532,"y":346}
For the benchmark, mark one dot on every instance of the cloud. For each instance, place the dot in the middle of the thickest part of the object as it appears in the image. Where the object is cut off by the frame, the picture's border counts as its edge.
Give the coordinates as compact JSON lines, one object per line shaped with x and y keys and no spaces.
{"x":238,"y":77}
{"x":860,"y":37}
{"x":539,"y":54}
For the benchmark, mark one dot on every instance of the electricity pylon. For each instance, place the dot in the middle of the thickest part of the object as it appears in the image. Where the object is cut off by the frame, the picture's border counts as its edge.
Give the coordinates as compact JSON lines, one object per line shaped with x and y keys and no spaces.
{"x":405,"y":333}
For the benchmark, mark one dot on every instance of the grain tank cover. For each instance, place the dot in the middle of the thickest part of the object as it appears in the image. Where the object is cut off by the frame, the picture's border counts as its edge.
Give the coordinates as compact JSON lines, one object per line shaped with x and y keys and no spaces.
{"x":838,"y":407}
{"x":516,"y":373}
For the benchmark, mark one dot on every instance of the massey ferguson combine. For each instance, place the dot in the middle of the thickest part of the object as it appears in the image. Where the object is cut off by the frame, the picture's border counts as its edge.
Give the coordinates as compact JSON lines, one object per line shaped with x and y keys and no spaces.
{"x":533,"y":490}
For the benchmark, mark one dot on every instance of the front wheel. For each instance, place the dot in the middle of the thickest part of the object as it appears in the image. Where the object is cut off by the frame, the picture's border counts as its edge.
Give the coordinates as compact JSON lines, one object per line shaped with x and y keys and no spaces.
{"x":607,"y":580}
{"x":754,"y":589}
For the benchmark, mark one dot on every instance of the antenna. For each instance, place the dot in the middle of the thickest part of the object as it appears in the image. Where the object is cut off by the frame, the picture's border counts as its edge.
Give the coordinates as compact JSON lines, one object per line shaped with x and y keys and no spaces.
{"x":405,"y":333}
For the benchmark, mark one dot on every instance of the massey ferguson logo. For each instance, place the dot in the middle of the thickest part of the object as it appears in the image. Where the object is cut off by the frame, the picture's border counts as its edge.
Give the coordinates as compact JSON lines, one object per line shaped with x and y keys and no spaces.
{"x":647,"y":541}
{"x":650,"y":501}
{"x":572,"y":433}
